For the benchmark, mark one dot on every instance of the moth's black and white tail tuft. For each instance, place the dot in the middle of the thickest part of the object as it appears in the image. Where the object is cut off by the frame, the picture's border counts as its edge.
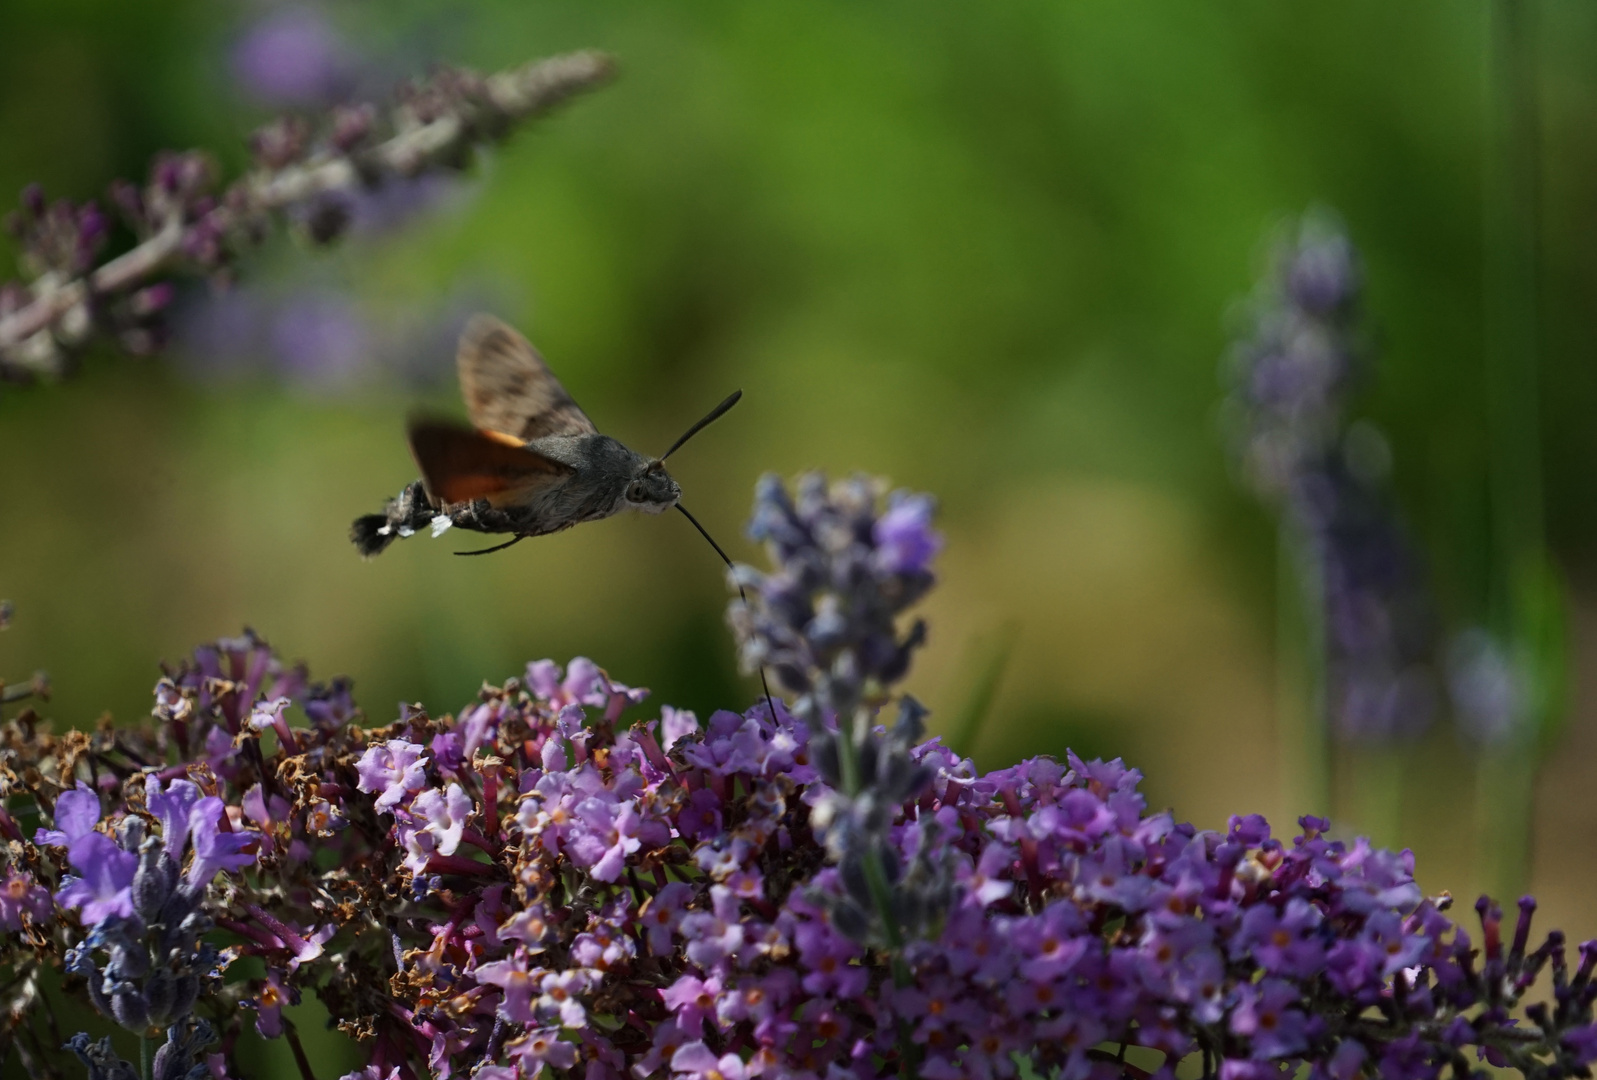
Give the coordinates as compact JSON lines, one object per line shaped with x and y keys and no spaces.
{"x":403,"y":515}
{"x":371,"y":533}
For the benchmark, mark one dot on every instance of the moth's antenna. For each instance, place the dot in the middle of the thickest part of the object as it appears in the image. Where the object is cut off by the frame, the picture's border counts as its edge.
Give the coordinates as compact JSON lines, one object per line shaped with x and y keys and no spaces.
{"x":519,"y":537}
{"x":714,"y":415}
{"x":724,"y":406}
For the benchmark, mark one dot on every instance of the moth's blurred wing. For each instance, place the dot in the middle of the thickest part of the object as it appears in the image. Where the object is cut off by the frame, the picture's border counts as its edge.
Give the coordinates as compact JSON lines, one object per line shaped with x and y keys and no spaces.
{"x":459,"y":464}
{"x":509,"y":389}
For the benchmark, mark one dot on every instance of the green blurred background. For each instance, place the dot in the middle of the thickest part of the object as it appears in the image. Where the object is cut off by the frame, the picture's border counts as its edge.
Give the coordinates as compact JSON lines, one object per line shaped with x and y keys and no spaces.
{"x":987,"y":251}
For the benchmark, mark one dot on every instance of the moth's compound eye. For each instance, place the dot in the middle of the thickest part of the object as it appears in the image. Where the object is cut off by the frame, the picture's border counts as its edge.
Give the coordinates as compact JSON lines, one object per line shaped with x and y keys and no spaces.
{"x":635,"y":492}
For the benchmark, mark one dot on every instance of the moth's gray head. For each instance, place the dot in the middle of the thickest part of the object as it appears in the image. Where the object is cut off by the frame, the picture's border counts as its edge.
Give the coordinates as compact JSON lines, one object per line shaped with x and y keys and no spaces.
{"x":652,"y":490}
{"x":611,"y":478}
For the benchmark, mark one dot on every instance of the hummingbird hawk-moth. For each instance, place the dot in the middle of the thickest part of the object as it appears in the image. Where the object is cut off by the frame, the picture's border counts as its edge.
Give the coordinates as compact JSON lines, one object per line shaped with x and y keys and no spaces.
{"x":531,"y":462}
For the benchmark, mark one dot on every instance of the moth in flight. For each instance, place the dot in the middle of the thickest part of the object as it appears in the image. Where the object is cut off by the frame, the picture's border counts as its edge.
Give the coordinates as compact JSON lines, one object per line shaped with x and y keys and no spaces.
{"x":531,"y":462}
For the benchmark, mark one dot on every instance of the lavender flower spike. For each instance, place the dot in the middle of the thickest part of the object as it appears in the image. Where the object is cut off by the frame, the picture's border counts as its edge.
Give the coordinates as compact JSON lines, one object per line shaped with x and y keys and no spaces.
{"x":825,"y":620}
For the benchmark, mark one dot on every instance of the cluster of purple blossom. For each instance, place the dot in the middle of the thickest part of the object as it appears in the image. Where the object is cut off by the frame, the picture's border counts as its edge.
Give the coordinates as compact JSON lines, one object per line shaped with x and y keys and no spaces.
{"x":319,"y":176}
{"x":535,"y":888}
{"x":1294,"y":377}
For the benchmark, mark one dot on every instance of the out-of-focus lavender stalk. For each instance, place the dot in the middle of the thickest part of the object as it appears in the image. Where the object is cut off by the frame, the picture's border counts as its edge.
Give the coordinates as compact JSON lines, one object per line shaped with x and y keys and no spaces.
{"x":184,"y":225}
{"x":1365,"y":608}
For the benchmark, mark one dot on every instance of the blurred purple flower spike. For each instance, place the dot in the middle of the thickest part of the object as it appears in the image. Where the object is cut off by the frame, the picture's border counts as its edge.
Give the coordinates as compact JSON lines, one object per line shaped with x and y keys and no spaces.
{"x":311,"y":171}
{"x":1293,"y":378}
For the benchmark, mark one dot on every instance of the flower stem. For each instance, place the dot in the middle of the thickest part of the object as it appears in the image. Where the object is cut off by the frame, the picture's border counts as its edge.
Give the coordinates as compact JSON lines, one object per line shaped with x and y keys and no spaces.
{"x":876,"y":881}
{"x":882,"y":896}
{"x":1300,"y":675}
{"x":848,"y":762}
{"x":302,"y":1062}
